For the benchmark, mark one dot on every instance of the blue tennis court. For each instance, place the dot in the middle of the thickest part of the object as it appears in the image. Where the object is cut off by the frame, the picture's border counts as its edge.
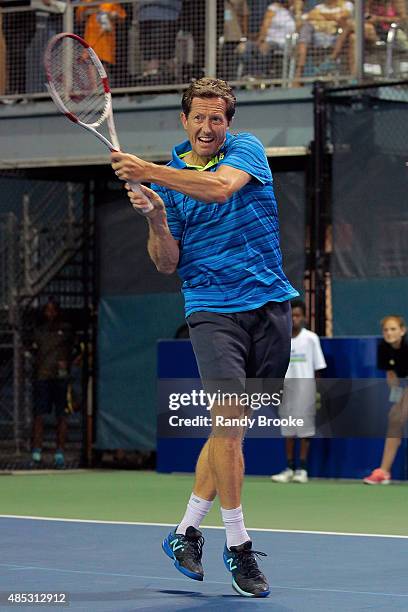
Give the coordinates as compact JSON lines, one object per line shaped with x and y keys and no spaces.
{"x":108,"y":567}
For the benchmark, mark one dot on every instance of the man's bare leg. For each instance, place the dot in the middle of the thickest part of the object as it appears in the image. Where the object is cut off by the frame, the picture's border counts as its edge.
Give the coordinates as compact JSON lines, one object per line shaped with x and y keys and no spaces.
{"x":204,"y":485}
{"x":204,"y":492}
{"x":227,"y":463}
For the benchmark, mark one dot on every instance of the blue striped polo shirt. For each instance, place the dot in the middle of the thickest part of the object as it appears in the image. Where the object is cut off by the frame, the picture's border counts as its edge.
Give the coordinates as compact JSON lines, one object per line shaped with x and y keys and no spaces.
{"x":230,"y":258}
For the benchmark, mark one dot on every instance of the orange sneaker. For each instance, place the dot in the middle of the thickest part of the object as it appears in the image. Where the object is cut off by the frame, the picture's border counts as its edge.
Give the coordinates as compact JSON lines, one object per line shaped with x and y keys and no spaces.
{"x":378,"y":476}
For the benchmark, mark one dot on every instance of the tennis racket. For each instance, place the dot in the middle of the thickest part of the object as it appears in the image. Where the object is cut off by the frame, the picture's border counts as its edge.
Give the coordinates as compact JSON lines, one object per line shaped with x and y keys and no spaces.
{"x":79,"y":86}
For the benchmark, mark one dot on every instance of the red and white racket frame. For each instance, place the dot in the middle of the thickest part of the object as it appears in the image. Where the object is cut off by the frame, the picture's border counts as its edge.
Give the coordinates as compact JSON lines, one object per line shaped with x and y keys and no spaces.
{"x":107,"y":114}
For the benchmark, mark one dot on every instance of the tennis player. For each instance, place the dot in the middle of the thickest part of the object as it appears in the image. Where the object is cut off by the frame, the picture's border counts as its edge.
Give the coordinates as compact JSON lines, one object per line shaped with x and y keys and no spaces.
{"x":392,"y":356}
{"x":215,"y":220}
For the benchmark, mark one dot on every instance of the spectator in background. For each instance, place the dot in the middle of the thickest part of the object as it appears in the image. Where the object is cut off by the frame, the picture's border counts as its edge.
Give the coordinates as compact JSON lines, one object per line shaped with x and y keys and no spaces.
{"x":279,"y":20}
{"x":379,"y":16}
{"x":53,"y":350}
{"x":159,"y":22}
{"x":320,"y":29}
{"x":48,"y":21}
{"x":235,"y":30}
{"x":392,"y":356}
{"x":100,"y":32}
{"x":299,"y":396}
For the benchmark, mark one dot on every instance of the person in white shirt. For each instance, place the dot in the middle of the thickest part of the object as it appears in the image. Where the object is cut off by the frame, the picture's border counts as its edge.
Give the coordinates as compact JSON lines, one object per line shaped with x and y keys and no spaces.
{"x":262,"y":56}
{"x":299,"y":395}
{"x":320,"y":28}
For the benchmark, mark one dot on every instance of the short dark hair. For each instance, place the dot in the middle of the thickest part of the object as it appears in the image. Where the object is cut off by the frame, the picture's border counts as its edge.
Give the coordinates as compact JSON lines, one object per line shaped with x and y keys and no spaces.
{"x":299,"y":304}
{"x":209,"y":88}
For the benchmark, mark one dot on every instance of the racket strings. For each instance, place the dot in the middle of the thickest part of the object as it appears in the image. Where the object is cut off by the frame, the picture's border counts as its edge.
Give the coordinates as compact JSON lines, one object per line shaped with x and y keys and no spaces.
{"x":77,"y":82}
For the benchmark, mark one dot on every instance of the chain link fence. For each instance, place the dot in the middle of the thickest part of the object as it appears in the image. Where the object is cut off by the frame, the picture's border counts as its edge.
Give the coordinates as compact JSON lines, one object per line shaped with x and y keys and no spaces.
{"x":149,"y":45}
{"x":41,"y":255}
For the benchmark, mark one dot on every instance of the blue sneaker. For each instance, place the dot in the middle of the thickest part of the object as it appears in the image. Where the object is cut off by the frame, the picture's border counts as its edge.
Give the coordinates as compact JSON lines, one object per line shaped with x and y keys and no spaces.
{"x":247,"y":578}
{"x":186,"y":551}
{"x":59,"y":460}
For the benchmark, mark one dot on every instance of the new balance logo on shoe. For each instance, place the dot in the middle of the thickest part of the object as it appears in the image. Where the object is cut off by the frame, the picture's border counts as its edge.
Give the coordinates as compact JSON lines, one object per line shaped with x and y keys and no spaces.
{"x":230,"y":561}
{"x":175,"y":544}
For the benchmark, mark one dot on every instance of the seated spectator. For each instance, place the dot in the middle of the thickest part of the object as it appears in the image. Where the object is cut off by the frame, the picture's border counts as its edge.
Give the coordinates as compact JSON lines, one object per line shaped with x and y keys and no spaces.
{"x":379,"y":16}
{"x":320,"y":28}
{"x":158,"y":22}
{"x":100,"y":31}
{"x":235,"y":29}
{"x":279,"y":21}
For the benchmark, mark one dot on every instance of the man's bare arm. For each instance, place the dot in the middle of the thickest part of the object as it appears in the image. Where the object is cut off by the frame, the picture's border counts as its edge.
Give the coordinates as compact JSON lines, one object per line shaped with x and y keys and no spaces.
{"x":161,"y":246}
{"x":215,"y":186}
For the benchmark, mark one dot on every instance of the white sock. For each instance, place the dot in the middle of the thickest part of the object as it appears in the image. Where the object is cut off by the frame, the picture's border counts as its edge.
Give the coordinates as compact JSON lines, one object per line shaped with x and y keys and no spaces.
{"x":234,"y":526}
{"x":196,"y":510}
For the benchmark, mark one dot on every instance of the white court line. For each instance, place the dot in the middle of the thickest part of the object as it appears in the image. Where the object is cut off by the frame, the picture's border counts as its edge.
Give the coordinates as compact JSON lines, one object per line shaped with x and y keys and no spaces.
{"x":101,"y":522}
{"x":14,"y":566}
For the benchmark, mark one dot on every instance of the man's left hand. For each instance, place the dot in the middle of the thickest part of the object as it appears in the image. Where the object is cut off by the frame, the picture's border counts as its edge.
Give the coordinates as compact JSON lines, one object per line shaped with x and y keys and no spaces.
{"x":130,"y":168}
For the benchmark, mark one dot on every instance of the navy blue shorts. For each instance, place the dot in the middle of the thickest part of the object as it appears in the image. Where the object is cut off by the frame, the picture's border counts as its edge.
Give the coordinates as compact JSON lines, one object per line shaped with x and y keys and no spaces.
{"x":49,"y":394}
{"x":239,"y":345}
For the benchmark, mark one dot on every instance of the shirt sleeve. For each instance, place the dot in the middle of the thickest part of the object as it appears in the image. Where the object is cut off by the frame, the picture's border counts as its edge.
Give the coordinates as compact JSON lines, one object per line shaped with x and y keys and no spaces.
{"x":174,"y":221}
{"x":245,"y":152}
{"x":319,"y":362}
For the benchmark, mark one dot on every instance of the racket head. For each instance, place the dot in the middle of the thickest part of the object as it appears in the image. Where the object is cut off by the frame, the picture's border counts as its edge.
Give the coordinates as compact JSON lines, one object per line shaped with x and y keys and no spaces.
{"x":77,"y":80}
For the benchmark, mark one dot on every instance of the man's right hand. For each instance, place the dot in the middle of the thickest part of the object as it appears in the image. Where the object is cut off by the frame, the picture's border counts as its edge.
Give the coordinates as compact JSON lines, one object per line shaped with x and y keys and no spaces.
{"x":139,"y":203}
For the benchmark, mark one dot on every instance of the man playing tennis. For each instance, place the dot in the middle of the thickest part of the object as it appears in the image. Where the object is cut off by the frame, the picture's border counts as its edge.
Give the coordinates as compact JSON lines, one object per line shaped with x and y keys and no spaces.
{"x":215,"y":220}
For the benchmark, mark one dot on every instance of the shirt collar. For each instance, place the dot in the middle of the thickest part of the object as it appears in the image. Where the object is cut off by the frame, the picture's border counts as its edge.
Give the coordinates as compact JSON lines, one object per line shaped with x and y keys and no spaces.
{"x":184,"y":147}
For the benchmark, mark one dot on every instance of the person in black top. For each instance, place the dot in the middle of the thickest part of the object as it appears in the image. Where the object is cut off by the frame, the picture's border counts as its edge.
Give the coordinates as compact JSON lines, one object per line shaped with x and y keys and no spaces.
{"x":392,"y":356}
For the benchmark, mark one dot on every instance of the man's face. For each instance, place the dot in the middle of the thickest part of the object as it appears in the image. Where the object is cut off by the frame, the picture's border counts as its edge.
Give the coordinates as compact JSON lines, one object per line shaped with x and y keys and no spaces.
{"x":392,"y":331}
{"x":298,"y":320}
{"x":206,"y":125}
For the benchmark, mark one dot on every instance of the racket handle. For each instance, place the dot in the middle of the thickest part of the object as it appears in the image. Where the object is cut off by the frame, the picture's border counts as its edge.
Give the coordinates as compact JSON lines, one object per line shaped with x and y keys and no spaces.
{"x":135,"y":187}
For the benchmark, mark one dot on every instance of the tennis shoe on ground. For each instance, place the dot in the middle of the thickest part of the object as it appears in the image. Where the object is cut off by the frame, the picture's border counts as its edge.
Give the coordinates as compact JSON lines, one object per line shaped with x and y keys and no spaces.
{"x":247,"y":578}
{"x":186,"y":551}
{"x":300,"y":476}
{"x":378,"y":476}
{"x":285,"y":476}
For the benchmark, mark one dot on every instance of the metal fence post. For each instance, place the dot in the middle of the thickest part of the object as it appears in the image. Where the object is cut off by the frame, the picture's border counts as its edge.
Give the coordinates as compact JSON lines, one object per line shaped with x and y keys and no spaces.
{"x":68,"y":18}
{"x":211,"y":38}
{"x":359,"y":38}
